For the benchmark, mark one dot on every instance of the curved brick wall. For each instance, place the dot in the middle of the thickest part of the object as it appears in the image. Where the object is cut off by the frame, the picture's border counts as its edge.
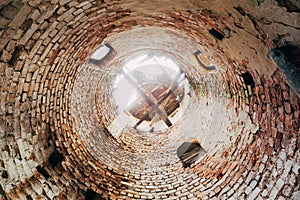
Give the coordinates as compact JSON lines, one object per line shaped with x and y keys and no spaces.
{"x":55,"y":108}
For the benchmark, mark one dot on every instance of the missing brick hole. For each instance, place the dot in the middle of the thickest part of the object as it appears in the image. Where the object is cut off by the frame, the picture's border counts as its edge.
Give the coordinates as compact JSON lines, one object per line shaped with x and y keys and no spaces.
{"x":216,"y":34}
{"x":4,"y":174}
{"x":15,"y":55}
{"x":124,"y":180}
{"x":190,"y":152}
{"x":66,"y":6}
{"x":26,"y":25}
{"x":248,"y":79}
{"x":220,"y":176}
{"x":287,"y":60}
{"x":43,"y":172}
{"x":55,"y":158}
{"x":92,"y":195}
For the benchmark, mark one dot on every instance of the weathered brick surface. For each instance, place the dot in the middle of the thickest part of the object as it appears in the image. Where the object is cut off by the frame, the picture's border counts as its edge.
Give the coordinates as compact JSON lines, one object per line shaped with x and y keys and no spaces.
{"x":50,"y":101}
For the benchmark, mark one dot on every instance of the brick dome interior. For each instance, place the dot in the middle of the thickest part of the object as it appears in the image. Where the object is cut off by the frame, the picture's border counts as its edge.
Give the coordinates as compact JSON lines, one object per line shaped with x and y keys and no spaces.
{"x":56,"y":107}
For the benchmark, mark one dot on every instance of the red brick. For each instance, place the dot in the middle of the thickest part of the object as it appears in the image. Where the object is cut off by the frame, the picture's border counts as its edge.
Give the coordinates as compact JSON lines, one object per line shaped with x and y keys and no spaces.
{"x":261,"y":90}
{"x":278,"y":140}
{"x":286,"y":95}
{"x":257,"y":90}
{"x":268,"y":98}
{"x":274,"y":102}
{"x":281,"y":114}
{"x":275,"y":79}
{"x":283,"y":85}
{"x":273,"y":120}
{"x":296,"y":115}
{"x":273,"y":92}
{"x":259,"y":112}
{"x":279,"y":97}
{"x":287,"y":107}
{"x":268,"y":125}
{"x":264,"y":107}
{"x":288,"y":122}
{"x":274,"y":133}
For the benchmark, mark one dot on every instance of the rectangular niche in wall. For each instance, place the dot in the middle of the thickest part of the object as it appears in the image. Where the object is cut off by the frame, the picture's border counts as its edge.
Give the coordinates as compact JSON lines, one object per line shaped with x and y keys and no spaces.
{"x":190,"y":152}
{"x":203,"y":62}
{"x":104,"y":51}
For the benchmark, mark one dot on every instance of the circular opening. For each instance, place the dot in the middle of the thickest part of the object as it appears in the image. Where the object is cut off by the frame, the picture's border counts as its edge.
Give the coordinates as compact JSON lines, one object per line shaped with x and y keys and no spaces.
{"x":150,"y":89}
{"x":157,"y":100}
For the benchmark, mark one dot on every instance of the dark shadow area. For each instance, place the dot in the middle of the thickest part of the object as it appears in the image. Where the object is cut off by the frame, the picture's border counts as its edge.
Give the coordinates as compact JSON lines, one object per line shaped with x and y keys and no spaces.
{"x":216,"y":34}
{"x":4,"y":174}
{"x":240,"y":10}
{"x":26,"y":24}
{"x":15,"y":55}
{"x":292,"y":54}
{"x":290,"y":5}
{"x":92,"y":195}
{"x":43,"y":172}
{"x":55,"y":158}
{"x":248,"y":79}
{"x":287,"y":60}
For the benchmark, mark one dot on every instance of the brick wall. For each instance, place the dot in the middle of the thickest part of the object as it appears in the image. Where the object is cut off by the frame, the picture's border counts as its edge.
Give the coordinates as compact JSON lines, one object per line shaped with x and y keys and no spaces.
{"x":51,"y":103}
